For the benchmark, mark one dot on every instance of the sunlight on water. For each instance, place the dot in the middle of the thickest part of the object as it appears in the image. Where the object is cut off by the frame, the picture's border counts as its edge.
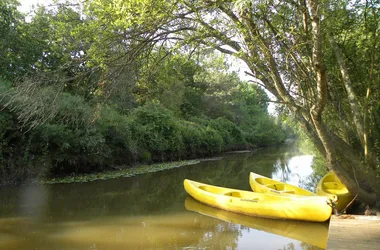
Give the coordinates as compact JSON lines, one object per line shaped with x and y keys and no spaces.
{"x":294,"y":169}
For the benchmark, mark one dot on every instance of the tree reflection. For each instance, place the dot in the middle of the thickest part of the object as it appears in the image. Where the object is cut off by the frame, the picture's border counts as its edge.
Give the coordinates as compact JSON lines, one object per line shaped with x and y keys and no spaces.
{"x":302,"y":246}
{"x":290,"y":246}
{"x":318,"y":164}
{"x":224,"y":235}
{"x":282,"y":166}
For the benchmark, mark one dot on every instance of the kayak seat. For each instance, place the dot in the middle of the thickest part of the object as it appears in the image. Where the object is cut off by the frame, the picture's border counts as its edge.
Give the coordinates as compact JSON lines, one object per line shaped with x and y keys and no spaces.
{"x":272,"y":186}
{"x":207,"y":188}
{"x":331,"y":191}
{"x":288,"y":191}
{"x":233,"y":194}
{"x":330,"y":185}
{"x":276,"y":186}
{"x":281,"y":188}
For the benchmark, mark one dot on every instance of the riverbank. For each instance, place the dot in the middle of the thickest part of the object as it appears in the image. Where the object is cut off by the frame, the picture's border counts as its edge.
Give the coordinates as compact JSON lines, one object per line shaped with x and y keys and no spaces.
{"x":352,"y":232}
{"x":123,"y":172}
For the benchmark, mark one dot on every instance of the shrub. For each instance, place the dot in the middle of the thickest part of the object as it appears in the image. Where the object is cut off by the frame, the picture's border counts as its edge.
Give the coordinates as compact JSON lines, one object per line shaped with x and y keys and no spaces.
{"x":213,"y":141}
{"x":155,"y":129}
{"x":230,"y":133}
{"x":74,"y":149}
{"x":199,"y":139}
{"x":192,"y":137}
{"x":267,"y":132}
{"x":116,"y":129}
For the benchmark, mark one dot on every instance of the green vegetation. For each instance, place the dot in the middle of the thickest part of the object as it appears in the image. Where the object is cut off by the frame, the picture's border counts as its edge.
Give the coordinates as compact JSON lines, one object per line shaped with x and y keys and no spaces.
{"x":128,"y":172}
{"x":76,"y":98}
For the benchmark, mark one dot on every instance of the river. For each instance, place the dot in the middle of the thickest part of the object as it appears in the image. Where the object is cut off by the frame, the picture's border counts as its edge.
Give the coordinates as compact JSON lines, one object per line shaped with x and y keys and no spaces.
{"x":152,"y":211}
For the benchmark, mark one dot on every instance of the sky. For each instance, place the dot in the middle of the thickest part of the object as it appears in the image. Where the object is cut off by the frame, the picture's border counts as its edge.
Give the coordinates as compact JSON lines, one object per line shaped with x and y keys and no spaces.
{"x":26,"y":5}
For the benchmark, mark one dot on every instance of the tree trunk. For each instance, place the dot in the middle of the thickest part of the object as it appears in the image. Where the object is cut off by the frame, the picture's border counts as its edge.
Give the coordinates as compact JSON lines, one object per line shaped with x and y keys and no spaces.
{"x":317,"y":110}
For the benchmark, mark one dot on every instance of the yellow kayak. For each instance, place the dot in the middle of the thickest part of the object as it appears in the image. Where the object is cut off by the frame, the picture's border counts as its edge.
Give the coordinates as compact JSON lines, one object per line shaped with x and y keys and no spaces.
{"x":264,"y":184}
{"x":308,"y":208}
{"x":332,"y":187}
{"x":309,"y":232}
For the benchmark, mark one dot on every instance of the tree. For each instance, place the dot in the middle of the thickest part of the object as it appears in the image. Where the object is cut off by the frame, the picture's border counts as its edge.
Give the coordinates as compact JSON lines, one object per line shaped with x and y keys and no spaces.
{"x":18,"y":50}
{"x":293,"y":49}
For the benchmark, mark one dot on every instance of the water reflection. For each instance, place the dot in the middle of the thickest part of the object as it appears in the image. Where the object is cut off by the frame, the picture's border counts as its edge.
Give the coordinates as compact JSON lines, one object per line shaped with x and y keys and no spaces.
{"x":307,"y":232}
{"x":32,"y":201}
{"x":122,"y":232}
{"x":293,"y":170}
{"x":186,"y":230}
{"x":147,"y":211}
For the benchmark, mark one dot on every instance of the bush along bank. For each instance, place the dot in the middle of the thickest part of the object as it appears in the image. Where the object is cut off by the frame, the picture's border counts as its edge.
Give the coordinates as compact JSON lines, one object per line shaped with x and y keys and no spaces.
{"x":84,"y":138}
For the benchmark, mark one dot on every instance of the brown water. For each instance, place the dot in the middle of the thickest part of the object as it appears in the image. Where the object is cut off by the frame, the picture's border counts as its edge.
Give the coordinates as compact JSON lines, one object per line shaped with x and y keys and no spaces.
{"x":153,"y":211}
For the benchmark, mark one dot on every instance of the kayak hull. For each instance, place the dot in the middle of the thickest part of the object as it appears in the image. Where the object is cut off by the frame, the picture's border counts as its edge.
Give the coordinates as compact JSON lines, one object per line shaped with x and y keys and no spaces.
{"x":331,"y":186}
{"x":264,"y":184}
{"x":307,"y":208}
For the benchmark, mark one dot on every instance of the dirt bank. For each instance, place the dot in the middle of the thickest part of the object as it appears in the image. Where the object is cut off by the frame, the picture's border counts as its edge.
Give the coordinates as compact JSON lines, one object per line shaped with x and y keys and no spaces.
{"x":352,"y":232}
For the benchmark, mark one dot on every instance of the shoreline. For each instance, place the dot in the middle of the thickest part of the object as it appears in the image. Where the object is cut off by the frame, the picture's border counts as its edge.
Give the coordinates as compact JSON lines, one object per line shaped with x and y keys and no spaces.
{"x":124,"y":172}
{"x":130,"y":171}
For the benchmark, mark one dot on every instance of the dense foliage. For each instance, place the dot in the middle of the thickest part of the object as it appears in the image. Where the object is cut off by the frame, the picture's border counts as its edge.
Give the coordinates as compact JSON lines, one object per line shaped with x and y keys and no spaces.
{"x":74,"y":100}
